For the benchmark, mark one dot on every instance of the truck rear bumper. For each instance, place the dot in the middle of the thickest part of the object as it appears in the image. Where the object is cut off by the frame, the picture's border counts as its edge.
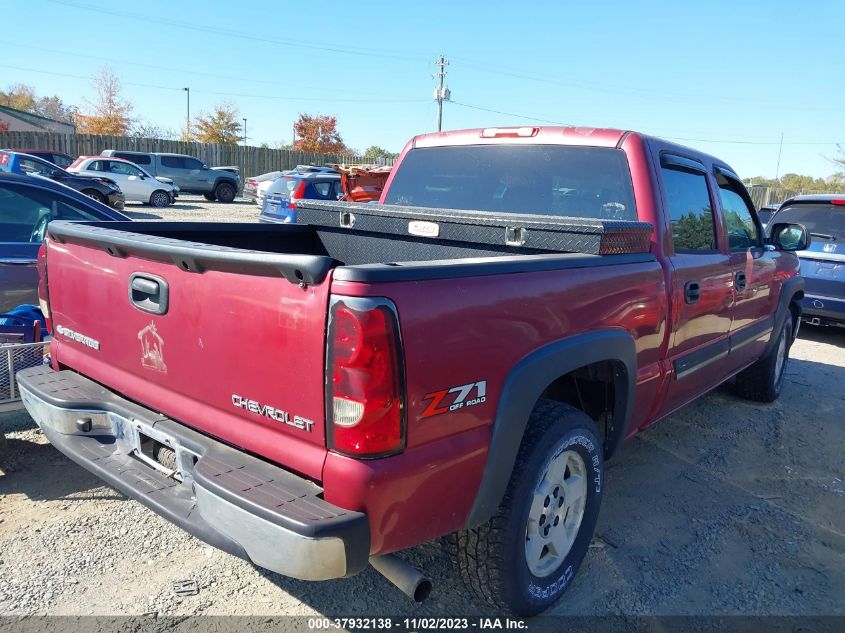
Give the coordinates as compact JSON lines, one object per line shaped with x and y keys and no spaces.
{"x":221,"y":495}
{"x":823,"y":309}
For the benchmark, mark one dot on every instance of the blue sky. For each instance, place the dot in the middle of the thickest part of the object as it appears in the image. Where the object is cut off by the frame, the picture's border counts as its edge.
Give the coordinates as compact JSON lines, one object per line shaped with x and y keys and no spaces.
{"x":725,"y":77}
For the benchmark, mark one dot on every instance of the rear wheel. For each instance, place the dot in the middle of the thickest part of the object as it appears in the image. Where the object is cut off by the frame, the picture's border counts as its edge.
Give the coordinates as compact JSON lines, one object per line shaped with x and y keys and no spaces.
{"x":763,"y":380}
{"x":159,"y":198}
{"x":209,"y":196}
{"x":96,"y":195}
{"x":525,"y":556}
{"x":225,"y":192}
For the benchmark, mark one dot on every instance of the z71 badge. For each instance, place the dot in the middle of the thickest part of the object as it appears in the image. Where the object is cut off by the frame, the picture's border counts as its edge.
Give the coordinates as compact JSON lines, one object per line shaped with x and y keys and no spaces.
{"x":455,"y":398}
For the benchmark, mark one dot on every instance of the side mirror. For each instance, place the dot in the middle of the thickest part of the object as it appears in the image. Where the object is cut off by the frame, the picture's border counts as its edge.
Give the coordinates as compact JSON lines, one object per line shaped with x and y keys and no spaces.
{"x":205,"y":167}
{"x":790,"y":237}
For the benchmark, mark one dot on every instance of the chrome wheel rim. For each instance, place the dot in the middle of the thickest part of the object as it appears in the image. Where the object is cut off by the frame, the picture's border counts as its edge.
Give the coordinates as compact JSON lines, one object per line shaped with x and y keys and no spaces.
{"x":557,"y":509}
{"x":160,"y":199}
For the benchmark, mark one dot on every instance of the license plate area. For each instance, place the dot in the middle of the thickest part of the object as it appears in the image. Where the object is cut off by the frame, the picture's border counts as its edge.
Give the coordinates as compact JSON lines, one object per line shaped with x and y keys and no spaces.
{"x":159,"y":451}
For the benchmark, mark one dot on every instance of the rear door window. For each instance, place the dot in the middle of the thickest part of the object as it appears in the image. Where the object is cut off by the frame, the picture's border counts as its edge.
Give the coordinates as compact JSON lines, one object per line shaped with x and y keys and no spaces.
{"x":591,"y":182}
{"x":124,"y":169}
{"x":138,"y":159}
{"x":173,"y":162}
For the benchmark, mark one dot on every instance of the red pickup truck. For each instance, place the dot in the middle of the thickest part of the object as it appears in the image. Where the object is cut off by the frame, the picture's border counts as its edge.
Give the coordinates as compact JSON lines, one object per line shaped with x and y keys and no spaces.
{"x":459,"y":360}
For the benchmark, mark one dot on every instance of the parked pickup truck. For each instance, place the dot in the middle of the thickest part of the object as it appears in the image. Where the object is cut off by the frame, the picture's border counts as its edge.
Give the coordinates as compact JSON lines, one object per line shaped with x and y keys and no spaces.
{"x":190,"y":174}
{"x":460,"y":360}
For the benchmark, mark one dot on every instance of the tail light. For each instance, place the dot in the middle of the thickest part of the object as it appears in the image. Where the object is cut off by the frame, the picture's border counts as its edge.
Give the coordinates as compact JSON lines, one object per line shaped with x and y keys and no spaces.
{"x":299,"y":193}
{"x":365,"y":378}
{"x":838,"y":201}
{"x":43,"y":290}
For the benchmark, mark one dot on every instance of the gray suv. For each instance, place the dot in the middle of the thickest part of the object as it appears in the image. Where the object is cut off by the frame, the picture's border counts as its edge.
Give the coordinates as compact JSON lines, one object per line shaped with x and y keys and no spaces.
{"x":190,"y":174}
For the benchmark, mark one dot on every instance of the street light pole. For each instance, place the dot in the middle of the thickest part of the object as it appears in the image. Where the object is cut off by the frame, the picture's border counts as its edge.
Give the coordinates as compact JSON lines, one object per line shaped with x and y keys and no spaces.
{"x":244,"y":131}
{"x":188,"y":115}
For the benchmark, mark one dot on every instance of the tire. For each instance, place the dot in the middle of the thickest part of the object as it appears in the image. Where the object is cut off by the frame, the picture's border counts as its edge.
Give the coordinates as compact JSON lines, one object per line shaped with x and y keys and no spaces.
{"x":763,"y":381}
{"x":225,"y":192}
{"x":96,"y":195}
{"x":493,"y":558}
{"x":209,"y":196}
{"x":159,"y":199}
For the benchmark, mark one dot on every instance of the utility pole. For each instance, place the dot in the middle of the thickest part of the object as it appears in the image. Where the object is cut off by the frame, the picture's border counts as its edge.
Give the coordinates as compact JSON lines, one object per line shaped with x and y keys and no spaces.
{"x":188,"y":116}
{"x":244,"y":130}
{"x":780,"y":151}
{"x":441,"y":93}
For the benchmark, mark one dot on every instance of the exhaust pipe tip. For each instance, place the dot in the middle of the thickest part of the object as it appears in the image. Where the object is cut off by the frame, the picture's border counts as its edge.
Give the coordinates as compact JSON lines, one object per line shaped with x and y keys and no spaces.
{"x":407,"y":578}
{"x":423,"y":590}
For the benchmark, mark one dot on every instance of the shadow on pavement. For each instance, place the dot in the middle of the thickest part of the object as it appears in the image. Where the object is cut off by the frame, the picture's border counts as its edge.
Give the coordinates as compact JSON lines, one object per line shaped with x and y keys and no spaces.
{"x":831,"y":335}
{"x":35,"y":469}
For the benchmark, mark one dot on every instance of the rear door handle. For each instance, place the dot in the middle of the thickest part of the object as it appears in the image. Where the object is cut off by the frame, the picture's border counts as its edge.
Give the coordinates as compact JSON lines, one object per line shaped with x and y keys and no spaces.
{"x":149,"y":293}
{"x":741,"y":281}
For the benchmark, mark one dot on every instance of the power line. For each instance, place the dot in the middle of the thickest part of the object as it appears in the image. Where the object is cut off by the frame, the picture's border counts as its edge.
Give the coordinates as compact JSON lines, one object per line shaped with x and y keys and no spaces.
{"x":228,"y":94}
{"x":171,"y":69}
{"x":348,"y":50}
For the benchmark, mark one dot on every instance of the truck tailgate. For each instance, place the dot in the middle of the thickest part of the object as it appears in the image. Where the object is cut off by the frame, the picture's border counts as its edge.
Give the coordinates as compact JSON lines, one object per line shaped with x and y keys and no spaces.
{"x":236,"y":355}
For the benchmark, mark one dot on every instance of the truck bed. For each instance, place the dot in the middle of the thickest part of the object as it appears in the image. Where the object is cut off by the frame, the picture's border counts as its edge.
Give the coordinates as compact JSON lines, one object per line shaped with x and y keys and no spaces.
{"x":372,"y":236}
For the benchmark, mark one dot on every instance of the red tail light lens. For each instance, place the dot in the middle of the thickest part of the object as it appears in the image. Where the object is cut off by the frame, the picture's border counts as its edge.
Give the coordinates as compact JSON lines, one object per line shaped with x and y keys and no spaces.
{"x":298,"y":194}
{"x":838,"y":201}
{"x":365,"y":381}
{"x":43,"y":290}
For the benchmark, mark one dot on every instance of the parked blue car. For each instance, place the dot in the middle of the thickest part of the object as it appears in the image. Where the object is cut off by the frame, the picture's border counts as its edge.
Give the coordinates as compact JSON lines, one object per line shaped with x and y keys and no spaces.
{"x":823,"y":263}
{"x":27,"y":205}
{"x":311,"y":183}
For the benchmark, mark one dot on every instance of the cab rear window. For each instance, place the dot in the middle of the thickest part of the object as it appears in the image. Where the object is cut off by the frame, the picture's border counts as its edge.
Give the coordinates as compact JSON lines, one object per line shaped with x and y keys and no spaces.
{"x":591,"y":182}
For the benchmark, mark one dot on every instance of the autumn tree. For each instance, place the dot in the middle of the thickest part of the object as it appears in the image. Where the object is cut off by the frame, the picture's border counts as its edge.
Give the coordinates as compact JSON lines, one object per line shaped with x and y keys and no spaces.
{"x":111,"y":114}
{"x":19,"y":97}
{"x":23,"y":97}
{"x":318,"y":134}
{"x":221,"y":126}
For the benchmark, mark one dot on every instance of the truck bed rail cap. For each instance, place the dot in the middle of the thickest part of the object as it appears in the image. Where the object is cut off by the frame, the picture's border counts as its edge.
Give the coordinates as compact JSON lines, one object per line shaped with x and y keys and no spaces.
{"x":196,"y":257}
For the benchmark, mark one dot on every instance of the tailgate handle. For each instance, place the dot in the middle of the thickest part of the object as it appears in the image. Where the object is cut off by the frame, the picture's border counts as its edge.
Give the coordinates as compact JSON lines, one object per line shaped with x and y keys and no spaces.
{"x":148,"y":293}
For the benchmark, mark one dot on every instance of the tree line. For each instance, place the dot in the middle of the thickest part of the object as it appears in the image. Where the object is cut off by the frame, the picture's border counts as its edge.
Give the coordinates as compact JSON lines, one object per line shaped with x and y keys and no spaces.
{"x":109,"y":113}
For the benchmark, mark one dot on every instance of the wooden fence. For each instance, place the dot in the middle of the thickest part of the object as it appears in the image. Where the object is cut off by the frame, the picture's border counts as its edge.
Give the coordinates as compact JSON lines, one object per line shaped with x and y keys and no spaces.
{"x":251,"y":160}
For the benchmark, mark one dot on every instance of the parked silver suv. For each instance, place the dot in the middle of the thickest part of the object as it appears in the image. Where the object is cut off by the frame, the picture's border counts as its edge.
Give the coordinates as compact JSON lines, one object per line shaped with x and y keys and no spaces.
{"x":190,"y":174}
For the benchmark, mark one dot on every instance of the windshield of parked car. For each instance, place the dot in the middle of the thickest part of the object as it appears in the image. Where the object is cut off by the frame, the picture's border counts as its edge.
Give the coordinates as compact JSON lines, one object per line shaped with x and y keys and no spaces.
{"x":823,"y":221}
{"x":587,"y":182}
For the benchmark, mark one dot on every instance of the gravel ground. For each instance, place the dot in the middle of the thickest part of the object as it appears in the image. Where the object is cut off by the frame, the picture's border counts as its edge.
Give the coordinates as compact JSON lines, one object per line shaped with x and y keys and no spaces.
{"x":196,"y":209}
{"x":726,"y":508}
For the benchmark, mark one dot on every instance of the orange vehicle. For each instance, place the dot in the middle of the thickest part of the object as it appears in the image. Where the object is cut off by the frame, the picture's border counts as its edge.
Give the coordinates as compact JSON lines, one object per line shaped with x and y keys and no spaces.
{"x":362,"y":183}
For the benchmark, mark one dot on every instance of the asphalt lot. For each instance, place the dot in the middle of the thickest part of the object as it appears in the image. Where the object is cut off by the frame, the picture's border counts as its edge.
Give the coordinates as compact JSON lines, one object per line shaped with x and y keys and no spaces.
{"x":726,"y":508}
